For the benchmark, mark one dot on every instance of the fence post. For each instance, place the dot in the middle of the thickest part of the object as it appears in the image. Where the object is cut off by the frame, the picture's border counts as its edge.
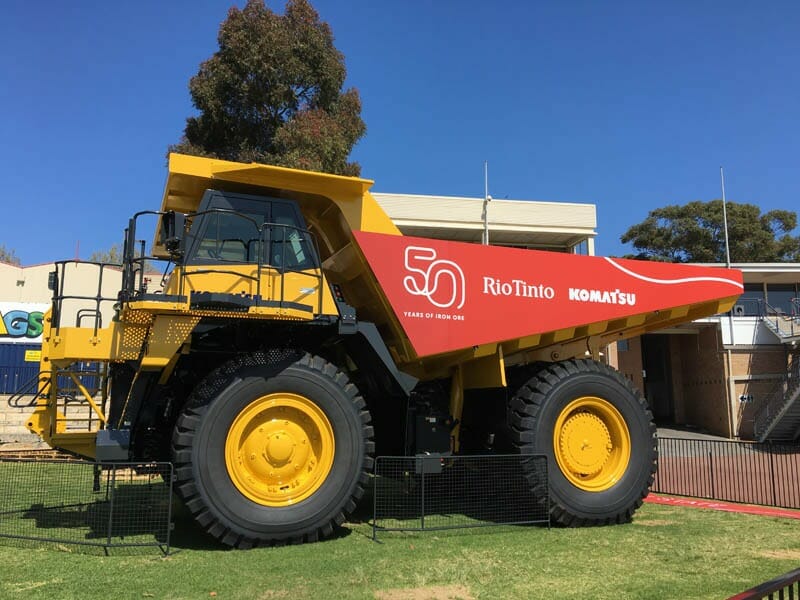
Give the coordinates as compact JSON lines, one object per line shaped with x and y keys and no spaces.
{"x":169,"y":505}
{"x":375,"y":492}
{"x":711,"y":472}
{"x":422,"y":497}
{"x":111,"y":507}
{"x":772,"y":476}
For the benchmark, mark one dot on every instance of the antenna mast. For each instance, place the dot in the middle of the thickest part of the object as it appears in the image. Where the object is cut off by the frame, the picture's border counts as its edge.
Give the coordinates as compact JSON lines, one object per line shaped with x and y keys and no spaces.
{"x":725,"y":220}
{"x":486,"y":199}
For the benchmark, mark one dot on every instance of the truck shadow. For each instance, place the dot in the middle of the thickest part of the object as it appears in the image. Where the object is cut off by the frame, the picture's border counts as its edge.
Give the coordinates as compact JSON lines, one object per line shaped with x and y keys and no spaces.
{"x":477,"y":492}
{"x":188,"y":535}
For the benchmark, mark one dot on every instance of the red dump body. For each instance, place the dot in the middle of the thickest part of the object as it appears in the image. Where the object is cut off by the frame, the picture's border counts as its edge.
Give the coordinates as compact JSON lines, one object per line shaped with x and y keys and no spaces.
{"x":452,"y":295}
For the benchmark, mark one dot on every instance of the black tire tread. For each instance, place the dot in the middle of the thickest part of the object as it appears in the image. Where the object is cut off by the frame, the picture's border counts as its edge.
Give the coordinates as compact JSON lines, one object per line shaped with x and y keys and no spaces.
{"x":191,"y":417}
{"x":524,"y":409}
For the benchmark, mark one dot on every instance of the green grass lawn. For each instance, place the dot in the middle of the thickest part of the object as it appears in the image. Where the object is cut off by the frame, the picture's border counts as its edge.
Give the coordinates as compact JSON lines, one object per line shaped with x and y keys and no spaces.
{"x":667,"y":552}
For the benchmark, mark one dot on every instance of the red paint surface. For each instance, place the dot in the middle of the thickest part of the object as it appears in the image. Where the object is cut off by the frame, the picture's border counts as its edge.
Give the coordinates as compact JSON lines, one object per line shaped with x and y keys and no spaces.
{"x":750,"y":509}
{"x":454,"y":295}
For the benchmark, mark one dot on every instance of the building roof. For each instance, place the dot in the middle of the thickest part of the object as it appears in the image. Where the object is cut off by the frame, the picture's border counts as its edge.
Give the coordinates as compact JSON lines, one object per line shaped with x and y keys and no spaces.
{"x":511,"y":222}
{"x":766,"y":272}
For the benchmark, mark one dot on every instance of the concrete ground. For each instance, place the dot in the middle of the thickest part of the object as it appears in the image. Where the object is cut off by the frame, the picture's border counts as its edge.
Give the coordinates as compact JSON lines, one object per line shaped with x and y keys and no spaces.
{"x":687,"y":434}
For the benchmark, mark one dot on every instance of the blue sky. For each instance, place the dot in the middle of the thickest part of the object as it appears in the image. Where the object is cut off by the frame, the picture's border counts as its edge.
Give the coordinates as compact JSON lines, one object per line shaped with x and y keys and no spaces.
{"x":627,"y":105}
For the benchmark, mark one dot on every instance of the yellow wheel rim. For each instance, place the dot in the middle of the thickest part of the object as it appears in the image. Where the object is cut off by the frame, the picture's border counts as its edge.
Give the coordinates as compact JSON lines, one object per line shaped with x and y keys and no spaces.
{"x":279,"y":449}
{"x":592,"y":444}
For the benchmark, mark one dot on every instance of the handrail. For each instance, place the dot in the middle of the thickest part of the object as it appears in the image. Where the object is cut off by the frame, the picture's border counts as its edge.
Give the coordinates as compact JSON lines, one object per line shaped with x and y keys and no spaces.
{"x":763,"y":407}
{"x":94,"y":314}
{"x":776,"y":318}
{"x":749,"y":302}
{"x":767,"y":415}
{"x":785,"y":326}
{"x":40,"y":383}
{"x":266,"y":233}
{"x":765,"y":309}
{"x":134,"y":284}
{"x":772,"y":412}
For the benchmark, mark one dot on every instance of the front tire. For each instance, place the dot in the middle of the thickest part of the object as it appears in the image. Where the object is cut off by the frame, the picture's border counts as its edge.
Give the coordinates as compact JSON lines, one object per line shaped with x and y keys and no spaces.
{"x":273,"y":449}
{"x":598,"y":436}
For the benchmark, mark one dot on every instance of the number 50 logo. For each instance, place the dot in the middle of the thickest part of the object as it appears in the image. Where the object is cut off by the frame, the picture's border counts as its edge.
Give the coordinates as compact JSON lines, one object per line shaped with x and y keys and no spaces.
{"x":440,"y":281}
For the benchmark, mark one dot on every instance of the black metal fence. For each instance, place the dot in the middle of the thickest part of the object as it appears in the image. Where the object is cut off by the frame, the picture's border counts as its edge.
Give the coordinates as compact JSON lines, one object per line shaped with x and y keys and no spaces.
{"x":77,"y":502}
{"x":767,"y":474}
{"x":434,"y":493}
{"x":785,"y":587}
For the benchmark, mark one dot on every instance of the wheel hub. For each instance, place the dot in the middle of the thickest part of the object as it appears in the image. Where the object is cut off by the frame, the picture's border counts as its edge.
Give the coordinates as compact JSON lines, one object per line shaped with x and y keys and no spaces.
{"x":591,"y":443}
{"x":279,"y":449}
{"x":585,"y":443}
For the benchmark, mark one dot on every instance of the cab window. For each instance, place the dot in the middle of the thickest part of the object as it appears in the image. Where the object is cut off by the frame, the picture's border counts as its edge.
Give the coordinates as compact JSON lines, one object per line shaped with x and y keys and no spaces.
{"x":290,"y":246}
{"x":250,"y":229}
{"x":230,"y":237}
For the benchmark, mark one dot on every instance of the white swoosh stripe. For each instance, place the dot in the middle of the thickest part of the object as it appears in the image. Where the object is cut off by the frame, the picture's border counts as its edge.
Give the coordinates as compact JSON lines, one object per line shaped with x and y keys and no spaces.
{"x":673,"y":281}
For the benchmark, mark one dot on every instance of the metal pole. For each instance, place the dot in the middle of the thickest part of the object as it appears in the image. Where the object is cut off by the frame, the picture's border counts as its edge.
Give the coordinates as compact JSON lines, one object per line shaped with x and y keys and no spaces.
{"x":725,"y":220}
{"x":711,"y":471}
{"x":375,"y":491}
{"x":110,"y":506}
{"x":772,"y":476}
{"x":486,"y":199}
{"x":422,"y":497}
{"x":169,"y":503}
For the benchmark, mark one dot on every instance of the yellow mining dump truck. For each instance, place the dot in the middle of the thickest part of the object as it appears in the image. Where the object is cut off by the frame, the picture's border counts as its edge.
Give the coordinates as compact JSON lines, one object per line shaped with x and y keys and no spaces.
{"x":295,"y":333}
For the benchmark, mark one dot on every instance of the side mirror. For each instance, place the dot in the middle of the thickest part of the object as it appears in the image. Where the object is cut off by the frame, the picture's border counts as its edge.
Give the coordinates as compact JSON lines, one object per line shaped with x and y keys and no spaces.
{"x":173,"y":226}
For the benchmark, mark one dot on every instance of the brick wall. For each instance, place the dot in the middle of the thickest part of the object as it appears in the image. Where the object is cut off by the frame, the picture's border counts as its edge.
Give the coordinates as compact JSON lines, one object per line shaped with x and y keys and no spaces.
{"x":704,"y":394}
{"x":678,"y":399}
{"x":12,"y":423}
{"x":629,"y":362}
{"x":700,"y":379}
{"x":760,"y":390}
{"x":768,"y":365}
{"x":765,"y":360}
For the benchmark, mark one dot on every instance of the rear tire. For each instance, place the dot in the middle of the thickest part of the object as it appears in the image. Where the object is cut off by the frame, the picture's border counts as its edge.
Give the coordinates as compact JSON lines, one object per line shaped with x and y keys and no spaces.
{"x":272,"y":449}
{"x":598,"y":436}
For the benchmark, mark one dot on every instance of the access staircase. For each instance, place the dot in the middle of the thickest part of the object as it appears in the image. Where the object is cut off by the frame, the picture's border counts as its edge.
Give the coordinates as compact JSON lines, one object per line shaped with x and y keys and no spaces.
{"x":785,"y":326}
{"x":779,"y":417}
